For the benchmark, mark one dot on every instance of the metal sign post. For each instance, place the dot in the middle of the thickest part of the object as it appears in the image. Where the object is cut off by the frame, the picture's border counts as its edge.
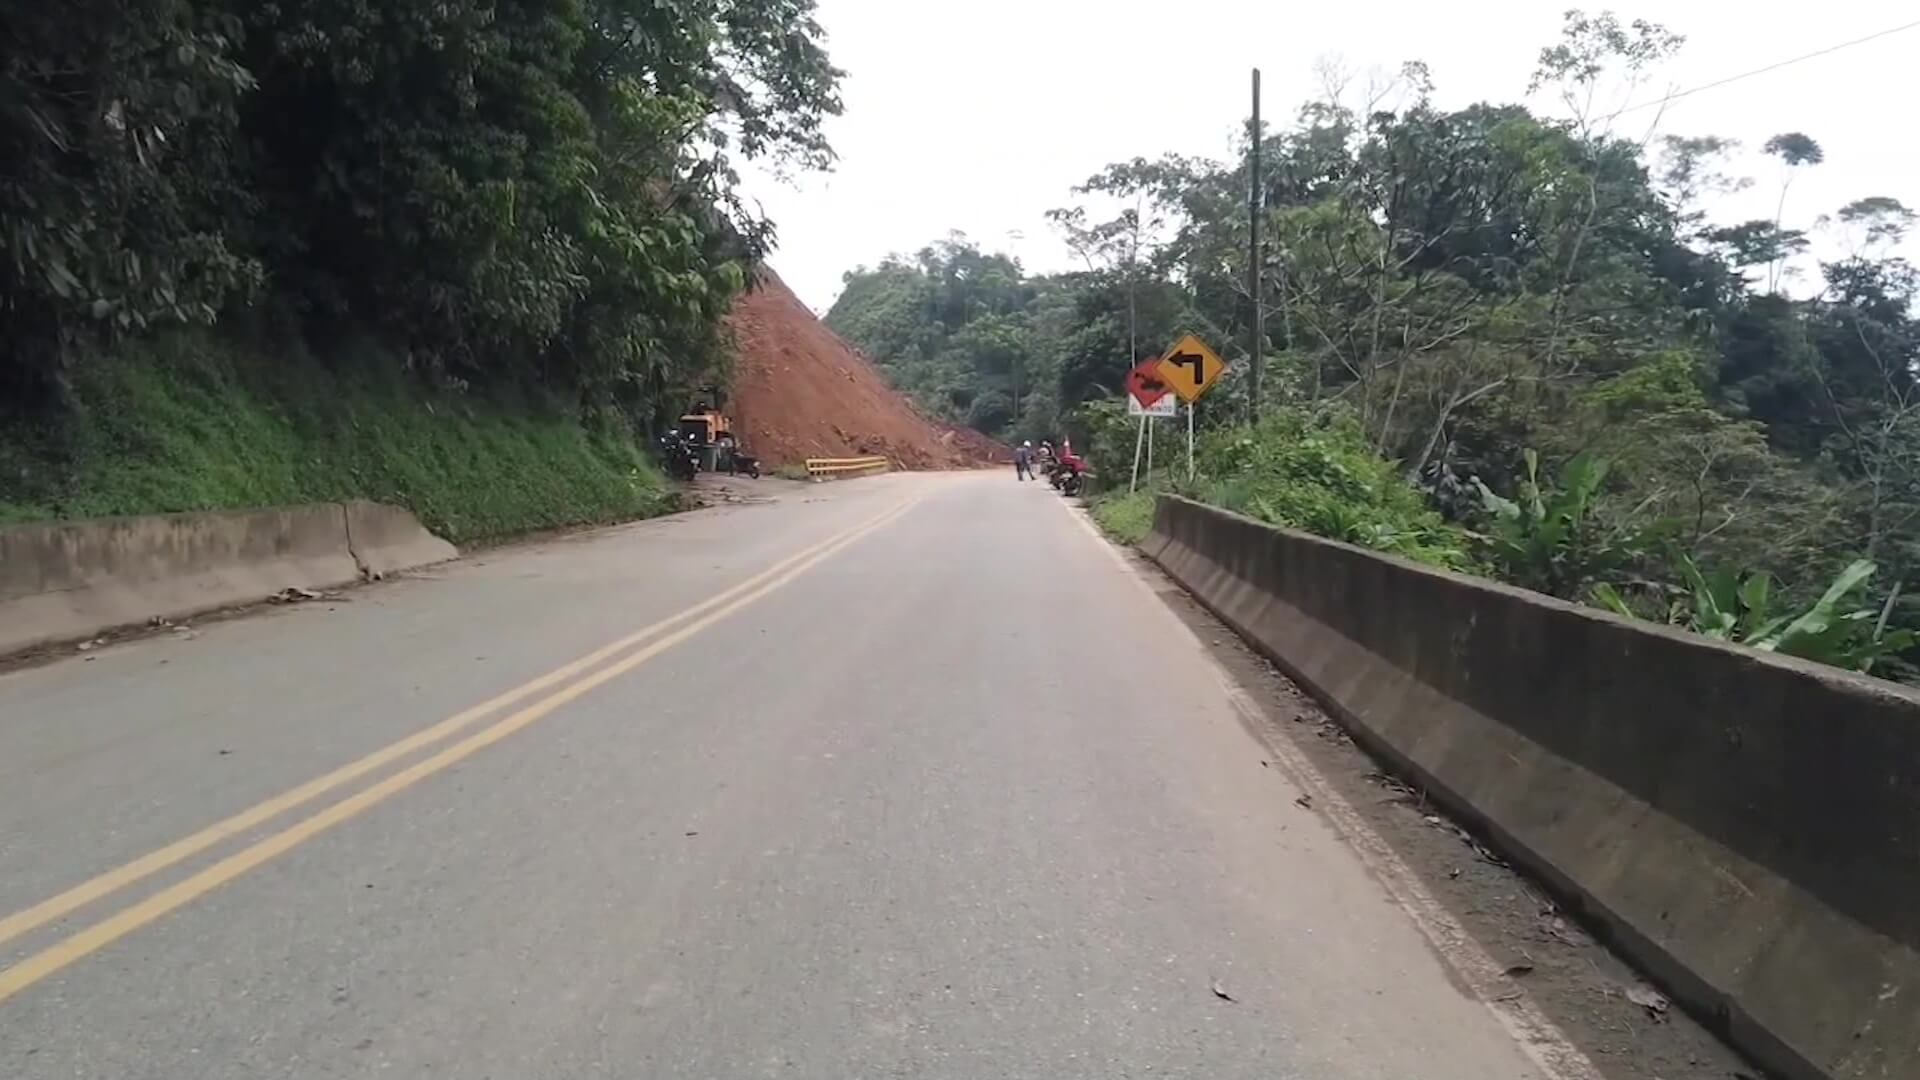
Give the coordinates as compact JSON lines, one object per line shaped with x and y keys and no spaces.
{"x":1139,"y":442}
{"x":1189,"y":442}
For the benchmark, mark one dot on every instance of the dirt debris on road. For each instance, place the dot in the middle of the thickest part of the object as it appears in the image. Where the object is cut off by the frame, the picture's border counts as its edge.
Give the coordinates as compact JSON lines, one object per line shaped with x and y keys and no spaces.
{"x":800,"y":391}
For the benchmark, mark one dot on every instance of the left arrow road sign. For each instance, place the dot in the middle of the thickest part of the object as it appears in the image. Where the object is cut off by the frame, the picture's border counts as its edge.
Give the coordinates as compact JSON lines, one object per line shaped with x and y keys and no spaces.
{"x":1190,"y":368}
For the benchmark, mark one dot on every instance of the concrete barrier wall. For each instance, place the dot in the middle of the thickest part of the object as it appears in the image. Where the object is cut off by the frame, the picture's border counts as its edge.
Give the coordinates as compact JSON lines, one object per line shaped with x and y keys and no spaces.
{"x":385,"y":539}
{"x":70,"y":580}
{"x":1746,"y":826}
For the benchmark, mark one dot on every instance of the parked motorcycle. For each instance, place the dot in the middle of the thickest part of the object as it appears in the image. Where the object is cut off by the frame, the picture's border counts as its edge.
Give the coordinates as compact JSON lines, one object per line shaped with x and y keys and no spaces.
{"x":734,"y":461}
{"x":1070,"y":474}
{"x":1056,"y":472}
{"x":679,"y":456}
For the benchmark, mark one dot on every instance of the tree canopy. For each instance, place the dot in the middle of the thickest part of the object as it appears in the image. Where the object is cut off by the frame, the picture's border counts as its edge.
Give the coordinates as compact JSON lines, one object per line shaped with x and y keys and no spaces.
{"x":538,"y":191}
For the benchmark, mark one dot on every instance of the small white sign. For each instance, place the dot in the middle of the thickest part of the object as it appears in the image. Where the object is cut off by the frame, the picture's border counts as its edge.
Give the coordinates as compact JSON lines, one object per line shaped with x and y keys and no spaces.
{"x":1166,"y":406}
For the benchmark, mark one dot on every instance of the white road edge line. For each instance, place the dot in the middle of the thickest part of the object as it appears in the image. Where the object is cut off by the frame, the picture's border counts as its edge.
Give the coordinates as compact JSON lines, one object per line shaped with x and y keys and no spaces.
{"x":1538,"y":1036}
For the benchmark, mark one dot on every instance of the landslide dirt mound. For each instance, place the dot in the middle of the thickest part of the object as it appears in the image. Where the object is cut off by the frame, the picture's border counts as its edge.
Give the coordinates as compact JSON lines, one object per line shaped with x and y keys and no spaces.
{"x":799,"y":391}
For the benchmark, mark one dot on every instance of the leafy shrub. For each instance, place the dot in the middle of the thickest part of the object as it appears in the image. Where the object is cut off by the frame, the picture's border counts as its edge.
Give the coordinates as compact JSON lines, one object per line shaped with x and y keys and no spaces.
{"x":1731,"y":606}
{"x":1324,"y":480}
{"x":1549,"y":539}
{"x":1104,"y":435}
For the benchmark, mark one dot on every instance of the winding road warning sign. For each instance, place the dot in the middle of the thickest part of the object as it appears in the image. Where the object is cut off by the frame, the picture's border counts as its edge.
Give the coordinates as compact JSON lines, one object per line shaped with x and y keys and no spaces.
{"x":1145,"y":386}
{"x":1190,"y":368}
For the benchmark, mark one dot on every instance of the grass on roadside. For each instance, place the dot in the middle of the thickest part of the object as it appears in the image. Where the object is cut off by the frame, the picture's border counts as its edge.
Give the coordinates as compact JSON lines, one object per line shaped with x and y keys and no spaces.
{"x":188,"y":422}
{"x":1126,"y":518}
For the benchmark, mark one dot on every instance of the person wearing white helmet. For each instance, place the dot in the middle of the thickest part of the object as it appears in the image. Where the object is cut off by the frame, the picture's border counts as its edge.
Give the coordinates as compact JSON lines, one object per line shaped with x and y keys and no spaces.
{"x":1023,"y":461}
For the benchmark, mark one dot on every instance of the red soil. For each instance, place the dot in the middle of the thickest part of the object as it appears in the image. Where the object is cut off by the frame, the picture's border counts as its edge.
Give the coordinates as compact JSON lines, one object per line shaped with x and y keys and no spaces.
{"x":799,"y":391}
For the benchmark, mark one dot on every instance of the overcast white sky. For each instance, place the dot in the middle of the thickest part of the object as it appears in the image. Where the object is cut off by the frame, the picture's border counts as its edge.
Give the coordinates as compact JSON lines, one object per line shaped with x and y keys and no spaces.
{"x":980,"y":116}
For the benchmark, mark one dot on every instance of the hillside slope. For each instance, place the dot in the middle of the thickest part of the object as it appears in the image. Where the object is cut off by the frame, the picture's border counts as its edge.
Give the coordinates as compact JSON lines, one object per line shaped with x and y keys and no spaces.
{"x":799,"y":391}
{"x":208,"y":421}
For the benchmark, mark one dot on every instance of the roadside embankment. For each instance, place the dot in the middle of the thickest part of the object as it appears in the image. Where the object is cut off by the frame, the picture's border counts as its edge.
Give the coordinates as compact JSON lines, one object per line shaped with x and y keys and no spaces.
{"x":66,"y":580}
{"x":1741,"y":824}
{"x":192,"y":421}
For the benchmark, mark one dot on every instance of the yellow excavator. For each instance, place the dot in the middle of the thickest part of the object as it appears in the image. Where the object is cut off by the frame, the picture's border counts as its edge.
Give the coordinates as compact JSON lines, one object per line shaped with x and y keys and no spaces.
{"x":710,"y":432}
{"x":705,"y":425}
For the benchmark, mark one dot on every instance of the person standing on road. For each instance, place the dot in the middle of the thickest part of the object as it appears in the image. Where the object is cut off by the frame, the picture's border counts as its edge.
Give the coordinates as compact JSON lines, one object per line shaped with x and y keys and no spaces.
{"x":1023,"y":461}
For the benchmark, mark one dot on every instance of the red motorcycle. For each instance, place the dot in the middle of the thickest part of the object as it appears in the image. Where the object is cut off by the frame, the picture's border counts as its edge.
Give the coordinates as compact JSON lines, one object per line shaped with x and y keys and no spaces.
{"x":1069,"y":473}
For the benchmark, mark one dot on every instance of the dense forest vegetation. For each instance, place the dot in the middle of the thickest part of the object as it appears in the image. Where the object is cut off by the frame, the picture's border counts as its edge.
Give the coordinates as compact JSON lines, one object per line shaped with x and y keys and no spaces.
{"x":1497,"y":340}
{"x":494,"y":210}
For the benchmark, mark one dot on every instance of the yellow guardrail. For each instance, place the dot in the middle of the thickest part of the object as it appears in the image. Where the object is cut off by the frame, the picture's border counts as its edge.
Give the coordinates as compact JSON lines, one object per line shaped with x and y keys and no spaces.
{"x":833,"y":466}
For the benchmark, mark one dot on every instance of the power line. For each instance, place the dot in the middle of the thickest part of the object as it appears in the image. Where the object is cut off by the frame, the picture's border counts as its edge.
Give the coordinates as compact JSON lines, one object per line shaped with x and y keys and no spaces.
{"x":1717,"y":83}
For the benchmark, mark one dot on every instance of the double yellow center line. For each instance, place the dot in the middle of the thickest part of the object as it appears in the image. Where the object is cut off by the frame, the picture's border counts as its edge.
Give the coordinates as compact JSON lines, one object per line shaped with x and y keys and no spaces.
{"x":573,"y":680}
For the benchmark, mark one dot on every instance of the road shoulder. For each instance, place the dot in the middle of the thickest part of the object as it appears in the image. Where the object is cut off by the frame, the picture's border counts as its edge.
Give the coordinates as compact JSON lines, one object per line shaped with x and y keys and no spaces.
{"x":1549,"y":978}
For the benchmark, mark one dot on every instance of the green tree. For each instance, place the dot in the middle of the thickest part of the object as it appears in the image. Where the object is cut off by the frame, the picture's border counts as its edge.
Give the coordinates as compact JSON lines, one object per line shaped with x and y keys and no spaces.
{"x":540,"y":192}
{"x":118,"y":200}
{"x":1796,"y":151}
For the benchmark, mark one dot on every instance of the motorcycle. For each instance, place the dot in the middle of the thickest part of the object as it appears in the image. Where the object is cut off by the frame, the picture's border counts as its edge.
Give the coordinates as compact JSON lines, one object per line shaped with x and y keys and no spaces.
{"x":747,"y":463}
{"x":732,"y":460}
{"x":1070,"y":476}
{"x":678,"y":456}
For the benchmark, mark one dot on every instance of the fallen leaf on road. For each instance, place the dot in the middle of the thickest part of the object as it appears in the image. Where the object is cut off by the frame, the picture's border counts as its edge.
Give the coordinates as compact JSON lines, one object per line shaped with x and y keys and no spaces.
{"x":693,"y":832}
{"x":1221,"y":992}
{"x":1478,"y":848}
{"x":293,"y":594}
{"x":1522,"y":966}
{"x":1304,"y":800}
{"x":1454,"y":873}
{"x":1648,"y":998}
{"x":1389,"y":782}
{"x":88,"y":646}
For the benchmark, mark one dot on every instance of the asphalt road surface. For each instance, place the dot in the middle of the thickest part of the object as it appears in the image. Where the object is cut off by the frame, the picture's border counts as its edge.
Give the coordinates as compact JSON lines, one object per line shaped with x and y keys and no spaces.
{"x":901,"y":777}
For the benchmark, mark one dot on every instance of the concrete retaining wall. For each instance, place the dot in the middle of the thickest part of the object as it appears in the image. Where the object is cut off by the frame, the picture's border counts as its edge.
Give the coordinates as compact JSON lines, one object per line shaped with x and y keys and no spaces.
{"x":1746,"y":826}
{"x":385,"y":539}
{"x":70,"y":580}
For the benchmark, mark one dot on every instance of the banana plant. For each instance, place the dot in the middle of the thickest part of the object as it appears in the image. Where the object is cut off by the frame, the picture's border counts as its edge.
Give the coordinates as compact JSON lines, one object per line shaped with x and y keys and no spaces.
{"x":1836,"y":629}
{"x":1548,"y":539}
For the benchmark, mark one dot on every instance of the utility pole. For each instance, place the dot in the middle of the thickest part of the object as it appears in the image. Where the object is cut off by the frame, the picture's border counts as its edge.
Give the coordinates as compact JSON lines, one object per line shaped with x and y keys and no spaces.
{"x":1256,"y":272}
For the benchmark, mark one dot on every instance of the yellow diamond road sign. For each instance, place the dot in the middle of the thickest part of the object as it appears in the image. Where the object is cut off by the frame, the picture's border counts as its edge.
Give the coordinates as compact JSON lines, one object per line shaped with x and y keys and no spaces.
{"x":1190,"y":368}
